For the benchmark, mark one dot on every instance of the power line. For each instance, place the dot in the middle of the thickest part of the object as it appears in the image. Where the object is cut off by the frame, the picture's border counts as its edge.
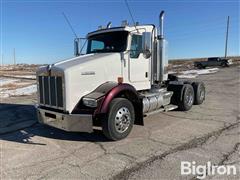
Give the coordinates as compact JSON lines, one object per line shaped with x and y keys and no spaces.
{"x":129,"y":10}
{"x":192,"y":35}
{"x":75,"y":34}
{"x":198,"y":30}
{"x":214,"y":21}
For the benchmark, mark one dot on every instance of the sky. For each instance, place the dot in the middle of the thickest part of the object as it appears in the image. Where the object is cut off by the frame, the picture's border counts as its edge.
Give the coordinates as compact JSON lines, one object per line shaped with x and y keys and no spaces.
{"x":38,"y":32}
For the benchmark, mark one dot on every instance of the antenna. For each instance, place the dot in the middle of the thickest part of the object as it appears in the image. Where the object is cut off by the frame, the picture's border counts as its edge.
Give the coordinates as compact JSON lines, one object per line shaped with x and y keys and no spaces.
{"x":129,"y":10}
{"x":69,"y":24}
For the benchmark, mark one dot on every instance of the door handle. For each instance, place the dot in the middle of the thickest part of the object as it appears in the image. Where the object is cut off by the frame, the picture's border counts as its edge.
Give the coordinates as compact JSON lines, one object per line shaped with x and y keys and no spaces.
{"x":146,"y":74}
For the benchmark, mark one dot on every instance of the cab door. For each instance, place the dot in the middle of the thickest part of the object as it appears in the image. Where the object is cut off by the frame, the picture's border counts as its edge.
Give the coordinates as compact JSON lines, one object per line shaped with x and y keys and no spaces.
{"x":138,"y":66}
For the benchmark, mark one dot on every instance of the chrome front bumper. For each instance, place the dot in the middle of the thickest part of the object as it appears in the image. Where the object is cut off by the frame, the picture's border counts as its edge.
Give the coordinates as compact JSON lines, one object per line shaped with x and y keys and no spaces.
{"x":67,"y":122}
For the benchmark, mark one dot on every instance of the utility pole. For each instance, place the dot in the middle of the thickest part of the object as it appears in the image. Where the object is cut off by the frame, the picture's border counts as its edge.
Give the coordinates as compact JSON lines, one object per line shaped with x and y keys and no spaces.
{"x":2,"y":61}
{"x":14,"y":57}
{"x":226,"y":43}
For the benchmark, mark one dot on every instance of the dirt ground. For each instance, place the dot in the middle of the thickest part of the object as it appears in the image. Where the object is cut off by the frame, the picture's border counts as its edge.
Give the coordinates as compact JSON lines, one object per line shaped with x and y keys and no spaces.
{"x":209,"y":132}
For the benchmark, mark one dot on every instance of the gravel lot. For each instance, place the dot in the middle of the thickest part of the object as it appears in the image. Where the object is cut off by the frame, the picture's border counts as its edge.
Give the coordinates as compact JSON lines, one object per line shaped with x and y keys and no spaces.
{"x":209,"y":132}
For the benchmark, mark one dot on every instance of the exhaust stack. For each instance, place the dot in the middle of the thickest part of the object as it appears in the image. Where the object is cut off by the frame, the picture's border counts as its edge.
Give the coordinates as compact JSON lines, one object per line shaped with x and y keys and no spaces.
{"x":162,"y":60}
{"x":161,"y":18}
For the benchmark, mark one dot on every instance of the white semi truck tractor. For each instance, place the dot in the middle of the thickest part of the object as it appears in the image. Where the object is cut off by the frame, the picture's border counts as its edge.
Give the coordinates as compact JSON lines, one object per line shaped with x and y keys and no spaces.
{"x":122,"y":78}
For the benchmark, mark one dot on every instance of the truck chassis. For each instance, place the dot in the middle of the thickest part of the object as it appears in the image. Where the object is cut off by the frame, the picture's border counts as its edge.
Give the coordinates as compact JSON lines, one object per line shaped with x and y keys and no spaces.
{"x":114,"y":105}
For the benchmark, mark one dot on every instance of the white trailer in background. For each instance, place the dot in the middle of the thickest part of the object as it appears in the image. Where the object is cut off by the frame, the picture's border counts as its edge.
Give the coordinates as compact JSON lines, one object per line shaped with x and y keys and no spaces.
{"x":122,"y":78}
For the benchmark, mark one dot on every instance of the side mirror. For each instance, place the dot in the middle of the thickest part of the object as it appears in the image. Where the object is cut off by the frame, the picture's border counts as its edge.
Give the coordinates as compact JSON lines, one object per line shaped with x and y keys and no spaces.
{"x":76,"y":47}
{"x":146,"y":44}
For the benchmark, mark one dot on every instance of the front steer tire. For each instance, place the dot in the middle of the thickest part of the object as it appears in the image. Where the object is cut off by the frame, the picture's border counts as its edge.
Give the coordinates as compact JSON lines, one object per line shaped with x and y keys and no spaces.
{"x":120,"y":111}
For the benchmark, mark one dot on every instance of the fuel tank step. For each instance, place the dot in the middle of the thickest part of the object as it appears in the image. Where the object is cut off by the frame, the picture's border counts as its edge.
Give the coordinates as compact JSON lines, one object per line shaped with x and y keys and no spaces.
{"x":169,"y":107}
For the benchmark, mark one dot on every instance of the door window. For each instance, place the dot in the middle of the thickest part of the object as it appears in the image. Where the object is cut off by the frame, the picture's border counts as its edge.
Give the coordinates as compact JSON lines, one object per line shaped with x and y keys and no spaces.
{"x":136,"y":46}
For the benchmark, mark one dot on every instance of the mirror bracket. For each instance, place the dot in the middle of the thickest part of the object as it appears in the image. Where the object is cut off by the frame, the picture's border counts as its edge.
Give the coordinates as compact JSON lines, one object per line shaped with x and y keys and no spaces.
{"x":76,"y":47}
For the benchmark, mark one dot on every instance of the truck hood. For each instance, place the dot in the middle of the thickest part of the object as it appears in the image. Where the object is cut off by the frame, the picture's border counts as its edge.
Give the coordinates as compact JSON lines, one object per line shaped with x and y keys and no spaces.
{"x":76,"y":61}
{"x":85,"y":73}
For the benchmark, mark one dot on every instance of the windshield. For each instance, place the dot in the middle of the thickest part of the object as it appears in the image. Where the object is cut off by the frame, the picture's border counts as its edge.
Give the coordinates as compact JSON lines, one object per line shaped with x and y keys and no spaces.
{"x":107,"y":42}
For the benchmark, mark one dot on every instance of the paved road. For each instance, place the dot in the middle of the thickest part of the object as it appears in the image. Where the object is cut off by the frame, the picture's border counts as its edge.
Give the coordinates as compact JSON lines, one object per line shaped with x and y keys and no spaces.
{"x":209,"y":132}
{"x":219,"y":148}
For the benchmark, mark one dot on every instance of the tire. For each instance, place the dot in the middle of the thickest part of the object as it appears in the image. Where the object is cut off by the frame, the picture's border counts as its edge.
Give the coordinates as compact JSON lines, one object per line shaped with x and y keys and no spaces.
{"x":224,"y":65}
{"x":120,"y":119}
{"x":199,"y":92}
{"x":199,"y":66}
{"x":186,"y":102}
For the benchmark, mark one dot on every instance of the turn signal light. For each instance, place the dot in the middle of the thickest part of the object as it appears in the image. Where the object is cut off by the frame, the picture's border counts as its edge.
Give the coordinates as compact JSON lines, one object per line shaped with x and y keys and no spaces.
{"x":120,"y":80}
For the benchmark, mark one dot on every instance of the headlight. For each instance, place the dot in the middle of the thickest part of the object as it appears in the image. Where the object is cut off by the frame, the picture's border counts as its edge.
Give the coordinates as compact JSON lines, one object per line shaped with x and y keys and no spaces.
{"x":90,"y":102}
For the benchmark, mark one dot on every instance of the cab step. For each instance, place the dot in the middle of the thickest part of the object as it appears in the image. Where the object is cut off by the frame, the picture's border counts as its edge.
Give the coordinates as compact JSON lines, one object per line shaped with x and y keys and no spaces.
{"x":170,"y":107}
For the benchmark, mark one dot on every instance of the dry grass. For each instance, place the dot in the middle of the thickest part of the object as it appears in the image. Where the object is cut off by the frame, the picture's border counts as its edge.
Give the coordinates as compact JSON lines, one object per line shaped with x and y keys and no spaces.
{"x":18,"y":70}
{"x":21,"y":67}
{"x":16,"y":85}
{"x":9,"y":86}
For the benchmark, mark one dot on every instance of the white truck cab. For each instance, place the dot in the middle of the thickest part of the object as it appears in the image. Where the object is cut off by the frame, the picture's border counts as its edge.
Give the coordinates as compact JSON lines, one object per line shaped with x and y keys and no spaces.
{"x":122,"y":77}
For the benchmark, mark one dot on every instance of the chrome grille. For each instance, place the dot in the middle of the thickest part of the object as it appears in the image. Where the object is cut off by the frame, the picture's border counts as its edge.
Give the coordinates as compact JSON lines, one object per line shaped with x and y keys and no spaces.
{"x":51,"y":91}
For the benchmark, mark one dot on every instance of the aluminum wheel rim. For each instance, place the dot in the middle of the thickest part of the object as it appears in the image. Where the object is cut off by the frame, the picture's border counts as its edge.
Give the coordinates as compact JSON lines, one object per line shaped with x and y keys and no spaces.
{"x":122,"y":120}
{"x":189,"y":98}
{"x":202,"y":94}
